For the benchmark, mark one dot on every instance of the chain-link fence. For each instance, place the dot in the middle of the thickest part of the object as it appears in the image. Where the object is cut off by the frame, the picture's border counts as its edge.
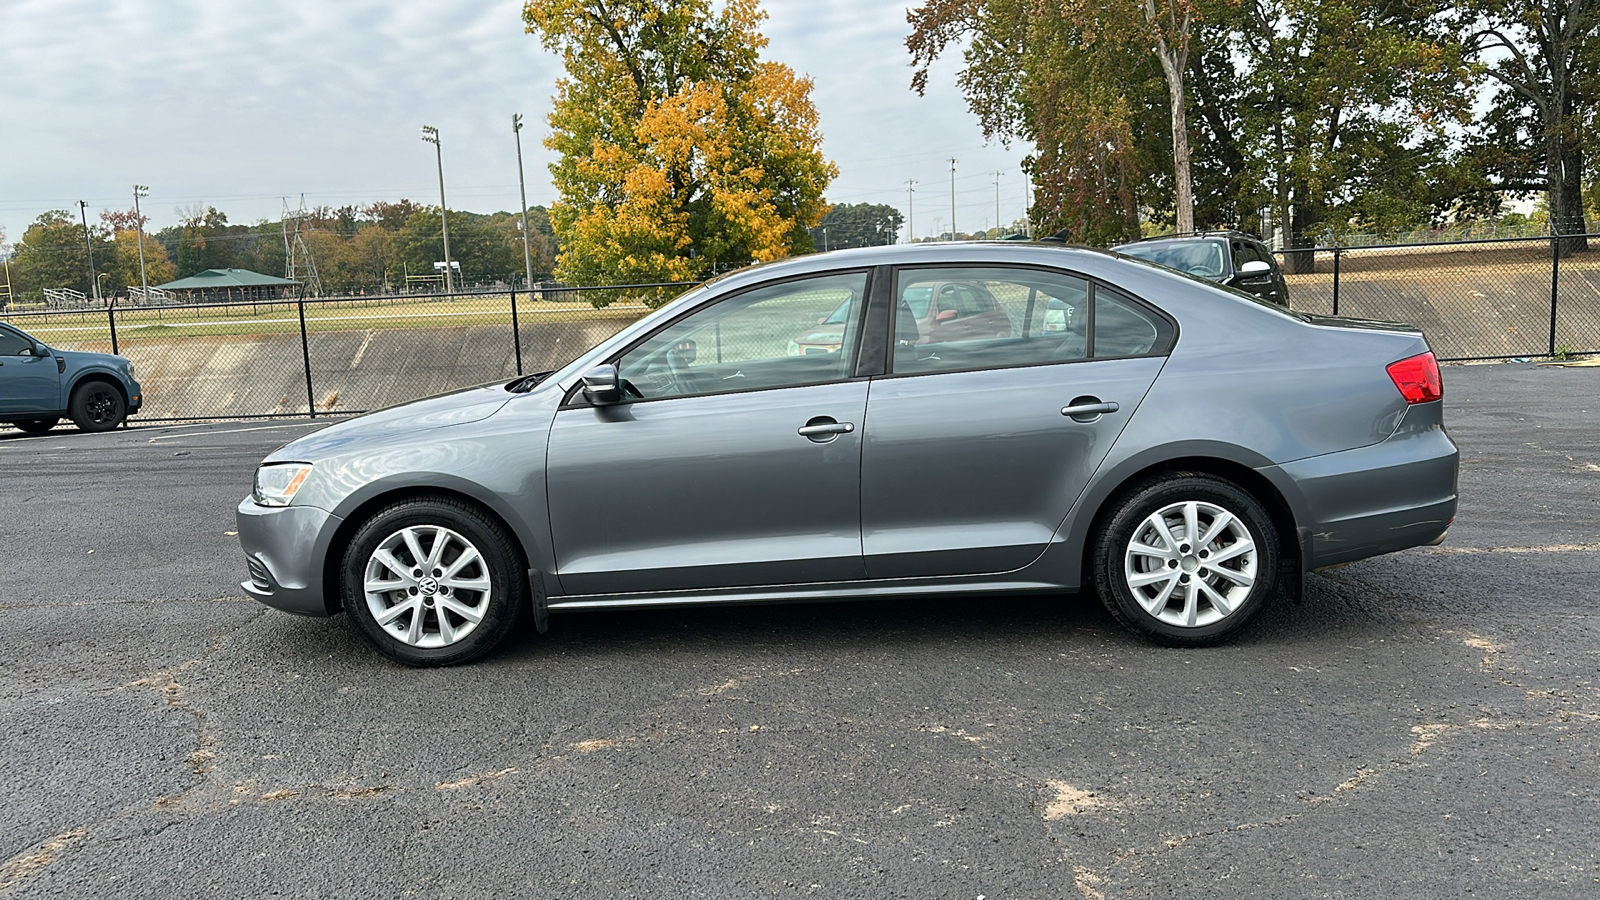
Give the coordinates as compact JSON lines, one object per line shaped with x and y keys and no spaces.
{"x":315,"y":356}
{"x":1495,"y":299}
{"x":1474,"y":300}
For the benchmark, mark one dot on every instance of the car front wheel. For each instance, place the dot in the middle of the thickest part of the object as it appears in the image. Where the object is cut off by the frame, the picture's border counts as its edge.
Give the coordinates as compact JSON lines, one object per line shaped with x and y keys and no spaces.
{"x":1187,"y":559}
{"x":433,"y":582}
{"x":97,"y":406}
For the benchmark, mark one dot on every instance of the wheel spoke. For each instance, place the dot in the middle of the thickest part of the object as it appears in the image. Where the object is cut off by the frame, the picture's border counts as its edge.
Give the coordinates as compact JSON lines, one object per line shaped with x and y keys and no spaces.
{"x":1218,"y":601}
{"x":1159,"y":602}
{"x":1148,"y":550}
{"x":1141,"y":579}
{"x":1235,"y":576}
{"x":414,"y":633}
{"x":461,"y":609}
{"x":468,"y":555}
{"x":388,"y":561}
{"x":1160,"y":523}
{"x":1238,"y":548}
{"x":1222,"y":520}
{"x":480,"y":583}
{"x":439,"y":540}
{"x":1191,"y":523}
{"x":415,"y":546}
{"x":1191,"y":604}
{"x":446,"y":630}
{"x":396,"y":611}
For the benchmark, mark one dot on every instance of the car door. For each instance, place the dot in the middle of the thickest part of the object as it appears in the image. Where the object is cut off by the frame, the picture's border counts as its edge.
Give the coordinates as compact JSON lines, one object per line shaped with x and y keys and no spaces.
{"x":28,"y":383}
{"x":734,"y":464}
{"x":976,"y":449}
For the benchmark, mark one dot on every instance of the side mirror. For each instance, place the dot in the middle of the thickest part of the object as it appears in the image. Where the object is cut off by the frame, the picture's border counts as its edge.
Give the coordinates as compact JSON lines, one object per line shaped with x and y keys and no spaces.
{"x":41,"y":350}
{"x":602,"y":385}
{"x":1255,"y":267}
{"x":945,"y":316}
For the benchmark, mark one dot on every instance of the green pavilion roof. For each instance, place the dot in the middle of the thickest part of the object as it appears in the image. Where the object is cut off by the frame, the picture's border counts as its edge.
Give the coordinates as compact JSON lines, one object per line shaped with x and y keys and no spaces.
{"x":224,"y":278}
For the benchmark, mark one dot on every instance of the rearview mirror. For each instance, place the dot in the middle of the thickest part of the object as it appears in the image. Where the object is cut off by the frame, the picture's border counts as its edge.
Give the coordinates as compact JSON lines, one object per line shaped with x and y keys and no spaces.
{"x":602,"y":386}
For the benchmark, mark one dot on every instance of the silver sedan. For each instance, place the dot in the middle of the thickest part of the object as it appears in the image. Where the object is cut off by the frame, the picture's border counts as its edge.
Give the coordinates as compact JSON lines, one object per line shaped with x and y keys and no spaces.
{"x":1186,"y":451}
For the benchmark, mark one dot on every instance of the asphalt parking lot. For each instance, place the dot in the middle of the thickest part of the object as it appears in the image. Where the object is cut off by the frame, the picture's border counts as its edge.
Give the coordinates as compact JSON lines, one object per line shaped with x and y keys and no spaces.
{"x":1425,"y":724}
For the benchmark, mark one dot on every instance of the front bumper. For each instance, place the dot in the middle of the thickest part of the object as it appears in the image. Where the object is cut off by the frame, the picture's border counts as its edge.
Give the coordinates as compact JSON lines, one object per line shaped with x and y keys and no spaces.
{"x":1389,"y":496}
{"x":285,"y":552}
{"x":135,"y":396}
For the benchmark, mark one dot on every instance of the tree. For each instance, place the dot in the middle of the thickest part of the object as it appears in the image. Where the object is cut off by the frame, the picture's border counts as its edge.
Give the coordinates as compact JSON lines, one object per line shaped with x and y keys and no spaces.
{"x":52,"y":254}
{"x":858,"y":225}
{"x":1540,"y":53}
{"x":1073,"y":79}
{"x":681,"y":151}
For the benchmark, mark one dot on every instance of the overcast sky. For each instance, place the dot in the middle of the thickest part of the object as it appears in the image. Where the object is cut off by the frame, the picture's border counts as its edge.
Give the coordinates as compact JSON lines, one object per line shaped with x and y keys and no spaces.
{"x":240,"y":104}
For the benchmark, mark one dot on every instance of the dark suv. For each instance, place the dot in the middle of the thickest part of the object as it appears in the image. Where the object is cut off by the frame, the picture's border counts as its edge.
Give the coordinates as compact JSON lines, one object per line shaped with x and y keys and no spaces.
{"x":1232,"y":258}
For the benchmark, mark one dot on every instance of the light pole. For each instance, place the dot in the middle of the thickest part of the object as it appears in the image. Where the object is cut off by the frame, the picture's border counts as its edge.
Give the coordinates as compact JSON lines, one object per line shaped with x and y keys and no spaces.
{"x":824,"y":239}
{"x":140,"y":190}
{"x":94,"y":286}
{"x":522,"y":189}
{"x":911,"y":214}
{"x":431,"y":135}
{"x":953,"y":232}
{"x":997,"y":203}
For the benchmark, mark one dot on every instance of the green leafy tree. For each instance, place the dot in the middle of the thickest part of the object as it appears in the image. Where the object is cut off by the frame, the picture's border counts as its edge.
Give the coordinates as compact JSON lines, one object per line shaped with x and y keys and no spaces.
{"x":52,"y":254}
{"x":680,"y":150}
{"x":1542,"y":57}
{"x":858,"y":225}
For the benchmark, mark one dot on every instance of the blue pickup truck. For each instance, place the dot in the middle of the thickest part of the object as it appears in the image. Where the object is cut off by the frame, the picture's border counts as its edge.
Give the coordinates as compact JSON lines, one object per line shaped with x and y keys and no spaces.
{"x":40,"y":385}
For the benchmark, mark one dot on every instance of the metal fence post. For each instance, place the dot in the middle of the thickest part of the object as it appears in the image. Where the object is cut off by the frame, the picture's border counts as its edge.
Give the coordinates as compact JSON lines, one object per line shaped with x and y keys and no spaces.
{"x":516,"y":331}
{"x":111,"y":314}
{"x":305,"y":355}
{"x":1555,"y":277}
{"x":1336,"y":279}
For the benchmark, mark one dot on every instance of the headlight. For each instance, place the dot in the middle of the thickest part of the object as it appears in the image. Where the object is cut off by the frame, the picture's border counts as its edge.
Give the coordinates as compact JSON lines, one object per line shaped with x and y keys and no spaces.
{"x":276,"y":483}
{"x":130,"y":371}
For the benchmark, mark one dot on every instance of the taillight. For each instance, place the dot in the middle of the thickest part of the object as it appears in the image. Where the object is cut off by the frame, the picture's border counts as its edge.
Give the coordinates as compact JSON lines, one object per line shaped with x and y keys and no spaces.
{"x":1417,"y":377}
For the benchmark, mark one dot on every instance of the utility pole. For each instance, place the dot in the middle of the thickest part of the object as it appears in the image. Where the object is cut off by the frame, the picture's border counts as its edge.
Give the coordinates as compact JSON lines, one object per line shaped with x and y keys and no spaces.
{"x":94,"y":286}
{"x":911,"y":213}
{"x":431,"y":135}
{"x":140,"y":190}
{"x":522,"y":190}
{"x":997,"y":202}
{"x":953,"y":232}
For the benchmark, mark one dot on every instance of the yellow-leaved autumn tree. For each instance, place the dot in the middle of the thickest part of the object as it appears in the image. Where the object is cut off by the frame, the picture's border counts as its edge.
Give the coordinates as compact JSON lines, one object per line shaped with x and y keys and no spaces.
{"x":682,"y":152}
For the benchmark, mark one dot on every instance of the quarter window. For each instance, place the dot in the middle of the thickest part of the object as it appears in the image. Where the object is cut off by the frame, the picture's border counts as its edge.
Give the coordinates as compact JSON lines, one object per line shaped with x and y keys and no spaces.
{"x":783,"y":335}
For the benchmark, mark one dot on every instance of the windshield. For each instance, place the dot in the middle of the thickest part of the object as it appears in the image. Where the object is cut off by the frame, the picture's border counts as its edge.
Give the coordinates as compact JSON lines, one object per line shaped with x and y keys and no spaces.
{"x":1203,"y":258}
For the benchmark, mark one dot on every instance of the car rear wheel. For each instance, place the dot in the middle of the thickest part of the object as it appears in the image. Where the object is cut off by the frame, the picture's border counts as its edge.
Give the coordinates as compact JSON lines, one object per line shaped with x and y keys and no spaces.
{"x":97,"y":406}
{"x":37,"y":426}
{"x":1187,"y":559}
{"x":433,"y":582}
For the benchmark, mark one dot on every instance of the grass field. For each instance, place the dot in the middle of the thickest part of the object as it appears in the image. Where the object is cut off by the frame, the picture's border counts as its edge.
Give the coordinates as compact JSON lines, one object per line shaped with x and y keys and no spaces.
{"x":321,"y":315}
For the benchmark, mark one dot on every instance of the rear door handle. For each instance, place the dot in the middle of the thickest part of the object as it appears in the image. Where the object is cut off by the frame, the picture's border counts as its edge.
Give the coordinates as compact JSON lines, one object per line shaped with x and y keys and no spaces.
{"x":1087,"y":409}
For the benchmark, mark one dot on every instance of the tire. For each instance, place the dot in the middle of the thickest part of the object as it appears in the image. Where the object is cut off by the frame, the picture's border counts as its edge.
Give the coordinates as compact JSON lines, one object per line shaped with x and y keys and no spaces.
{"x":37,"y":426}
{"x":1149,"y":576}
{"x":97,"y":406}
{"x":428,"y":619}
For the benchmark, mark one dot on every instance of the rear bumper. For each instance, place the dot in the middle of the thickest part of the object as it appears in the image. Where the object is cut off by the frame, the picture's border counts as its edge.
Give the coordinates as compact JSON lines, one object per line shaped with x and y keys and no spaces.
{"x":1390,"y":496}
{"x":284,"y":552}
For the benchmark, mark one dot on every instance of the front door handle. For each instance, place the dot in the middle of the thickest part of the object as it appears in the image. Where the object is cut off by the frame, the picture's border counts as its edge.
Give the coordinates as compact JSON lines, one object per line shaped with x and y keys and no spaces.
{"x":823,"y":428}
{"x":1087,"y":409}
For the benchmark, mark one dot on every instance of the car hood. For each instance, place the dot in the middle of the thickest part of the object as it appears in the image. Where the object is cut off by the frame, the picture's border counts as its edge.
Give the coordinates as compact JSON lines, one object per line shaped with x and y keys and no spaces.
{"x":84,"y":358}
{"x":456,"y":408}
